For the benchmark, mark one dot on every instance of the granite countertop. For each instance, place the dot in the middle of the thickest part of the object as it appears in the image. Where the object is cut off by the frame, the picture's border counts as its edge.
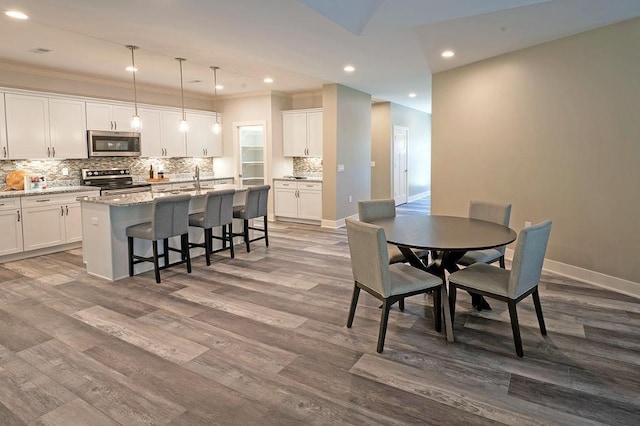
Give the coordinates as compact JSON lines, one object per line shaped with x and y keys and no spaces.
{"x":183,"y":179}
{"x":301,"y":178}
{"x":54,"y":190}
{"x":147,"y":197}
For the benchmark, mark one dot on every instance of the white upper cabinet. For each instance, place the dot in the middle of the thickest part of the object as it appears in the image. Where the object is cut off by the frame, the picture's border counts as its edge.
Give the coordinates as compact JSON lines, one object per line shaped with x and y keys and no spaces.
{"x":151,"y":132}
{"x":67,"y":127}
{"x":201,"y":141}
{"x":41,"y":127}
{"x":3,"y":131}
{"x":173,"y":140}
{"x":104,"y":116}
{"x":302,"y":133}
{"x":27,"y":126}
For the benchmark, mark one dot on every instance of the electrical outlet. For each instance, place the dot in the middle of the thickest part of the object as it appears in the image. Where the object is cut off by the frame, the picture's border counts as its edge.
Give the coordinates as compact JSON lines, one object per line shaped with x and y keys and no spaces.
{"x":527,"y":224}
{"x":341,"y":167}
{"x":65,"y":172}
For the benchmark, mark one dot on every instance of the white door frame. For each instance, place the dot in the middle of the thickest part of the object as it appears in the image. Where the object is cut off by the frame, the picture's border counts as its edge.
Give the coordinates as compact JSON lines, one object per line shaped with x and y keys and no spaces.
{"x":236,"y":148}
{"x":400,"y":194}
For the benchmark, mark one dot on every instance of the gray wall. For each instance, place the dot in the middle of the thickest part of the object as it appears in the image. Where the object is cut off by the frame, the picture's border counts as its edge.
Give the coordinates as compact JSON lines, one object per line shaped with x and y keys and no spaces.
{"x":555,"y":130}
{"x":346,"y":128}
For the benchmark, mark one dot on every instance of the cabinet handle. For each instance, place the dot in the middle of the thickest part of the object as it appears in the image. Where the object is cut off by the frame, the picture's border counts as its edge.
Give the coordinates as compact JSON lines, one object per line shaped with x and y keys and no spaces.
{"x":42,"y":201}
{"x":53,"y":150}
{"x":48,"y":152}
{"x":4,"y":150}
{"x":115,"y":125}
{"x":61,"y":211}
{"x":67,"y":209}
{"x":18,"y":211}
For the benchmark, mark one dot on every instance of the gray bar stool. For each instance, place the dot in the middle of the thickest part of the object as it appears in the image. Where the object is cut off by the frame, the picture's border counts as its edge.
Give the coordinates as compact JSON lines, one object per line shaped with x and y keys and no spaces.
{"x":218,"y":211}
{"x":254,"y":207}
{"x":169,"y":218}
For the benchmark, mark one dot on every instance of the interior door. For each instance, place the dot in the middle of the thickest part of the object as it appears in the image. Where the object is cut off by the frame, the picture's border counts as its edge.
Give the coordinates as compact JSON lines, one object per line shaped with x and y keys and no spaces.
{"x":250,"y":142}
{"x":400,"y":142}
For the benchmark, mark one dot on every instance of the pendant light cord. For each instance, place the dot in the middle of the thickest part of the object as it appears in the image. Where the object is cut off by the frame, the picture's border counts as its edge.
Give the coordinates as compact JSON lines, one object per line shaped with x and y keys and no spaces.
{"x":184,"y":117}
{"x":215,"y":90}
{"x":135,"y":91}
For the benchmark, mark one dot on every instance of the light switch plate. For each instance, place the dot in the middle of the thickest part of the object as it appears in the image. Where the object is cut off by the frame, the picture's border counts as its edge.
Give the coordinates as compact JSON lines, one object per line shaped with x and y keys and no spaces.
{"x":341,"y":167}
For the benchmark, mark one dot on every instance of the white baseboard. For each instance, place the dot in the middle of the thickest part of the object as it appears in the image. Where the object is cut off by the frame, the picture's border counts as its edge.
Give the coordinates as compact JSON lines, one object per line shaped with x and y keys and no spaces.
{"x":335,"y":224}
{"x":598,"y":279}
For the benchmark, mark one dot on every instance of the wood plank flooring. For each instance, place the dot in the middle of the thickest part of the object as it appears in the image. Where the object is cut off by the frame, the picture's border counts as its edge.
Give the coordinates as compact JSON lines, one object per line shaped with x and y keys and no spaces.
{"x":261,"y":339}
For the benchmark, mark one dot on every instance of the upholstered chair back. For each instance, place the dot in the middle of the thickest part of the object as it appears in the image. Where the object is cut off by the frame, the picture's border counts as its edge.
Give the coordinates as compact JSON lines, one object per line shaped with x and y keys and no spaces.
{"x":369,"y":258}
{"x":528,"y":258}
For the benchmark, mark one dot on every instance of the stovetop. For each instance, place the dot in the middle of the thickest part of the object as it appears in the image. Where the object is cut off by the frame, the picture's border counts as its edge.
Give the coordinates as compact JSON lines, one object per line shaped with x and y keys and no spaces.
{"x":116,"y":178}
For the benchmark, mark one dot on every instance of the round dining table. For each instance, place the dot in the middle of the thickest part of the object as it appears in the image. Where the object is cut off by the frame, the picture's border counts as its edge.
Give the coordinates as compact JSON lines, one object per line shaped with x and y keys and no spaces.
{"x":450,"y":236}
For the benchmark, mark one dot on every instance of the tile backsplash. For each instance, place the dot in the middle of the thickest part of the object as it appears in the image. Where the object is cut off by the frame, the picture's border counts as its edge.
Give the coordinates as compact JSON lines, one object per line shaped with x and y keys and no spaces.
{"x":307,"y":166}
{"x":52,"y":169}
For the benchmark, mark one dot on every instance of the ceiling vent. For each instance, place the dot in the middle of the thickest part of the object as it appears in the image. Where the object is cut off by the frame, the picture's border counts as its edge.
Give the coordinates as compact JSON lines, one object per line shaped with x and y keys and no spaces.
{"x":195,"y":81}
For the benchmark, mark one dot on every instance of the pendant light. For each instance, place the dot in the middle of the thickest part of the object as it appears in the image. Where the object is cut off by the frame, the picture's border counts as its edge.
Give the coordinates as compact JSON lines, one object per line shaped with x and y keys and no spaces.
{"x":135,"y":120}
{"x":216,"y":126}
{"x":184,"y":126}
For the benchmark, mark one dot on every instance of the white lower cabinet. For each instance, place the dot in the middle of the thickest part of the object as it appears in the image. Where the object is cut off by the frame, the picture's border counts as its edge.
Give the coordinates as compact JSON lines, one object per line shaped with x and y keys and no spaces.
{"x":51,"y":220}
{"x":298,"y":200}
{"x":11,"y":225}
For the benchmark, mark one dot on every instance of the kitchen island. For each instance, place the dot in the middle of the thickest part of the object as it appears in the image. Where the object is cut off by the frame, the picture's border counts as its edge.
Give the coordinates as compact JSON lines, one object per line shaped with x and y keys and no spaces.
{"x":105,"y":220}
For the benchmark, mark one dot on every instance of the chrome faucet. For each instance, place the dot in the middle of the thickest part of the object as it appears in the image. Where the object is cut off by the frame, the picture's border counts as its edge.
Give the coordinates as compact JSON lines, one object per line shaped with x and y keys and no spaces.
{"x":196,"y":178}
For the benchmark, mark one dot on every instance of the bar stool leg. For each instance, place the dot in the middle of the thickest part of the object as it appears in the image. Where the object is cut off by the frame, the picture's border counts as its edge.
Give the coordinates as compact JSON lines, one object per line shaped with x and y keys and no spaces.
{"x":230,"y":235}
{"x":246,"y":235}
{"x":266,"y":232}
{"x":185,"y":250}
{"x":165,"y":244}
{"x":207,"y":245}
{"x":130,"y":245}
{"x":156,"y":267}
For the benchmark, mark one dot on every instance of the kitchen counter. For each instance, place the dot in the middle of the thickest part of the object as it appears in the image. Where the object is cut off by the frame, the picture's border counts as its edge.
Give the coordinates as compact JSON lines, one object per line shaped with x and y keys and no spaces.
{"x":105,"y":221}
{"x":54,"y":190}
{"x":147,"y":197}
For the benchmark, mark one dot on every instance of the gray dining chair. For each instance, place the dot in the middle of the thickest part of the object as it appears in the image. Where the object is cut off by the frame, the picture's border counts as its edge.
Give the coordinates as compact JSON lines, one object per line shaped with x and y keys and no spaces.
{"x":388,"y":283}
{"x":169,"y":218}
{"x":218,"y":212}
{"x":370,"y":210}
{"x":491,"y":212}
{"x":255,"y":206}
{"x":509,"y":286}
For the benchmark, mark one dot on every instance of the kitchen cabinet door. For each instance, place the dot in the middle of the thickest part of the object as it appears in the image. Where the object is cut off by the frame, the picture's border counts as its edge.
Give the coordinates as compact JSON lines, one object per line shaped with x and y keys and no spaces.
{"x":11,"y":225}
{"x":43,"y":226}
{"x":294,"y":134}
{"x":200,"y":136}
{"x":73,"y":222}
{"x":122,"y":115}
{"x":309,"y":204}
{"x":173,"y":140}
{"x":99,"y":116}
{"x":286,"y":203}
{"x":27,"y":126}
{"x":151,"y":132}
{"x":3,"y":131}
{"x":314,"y":134}
{"x":67,"y":127}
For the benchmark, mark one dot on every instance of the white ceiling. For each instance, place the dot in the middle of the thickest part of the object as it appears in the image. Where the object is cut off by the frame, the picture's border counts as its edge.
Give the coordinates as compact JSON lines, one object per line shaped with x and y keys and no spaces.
{"x":395,"y":45}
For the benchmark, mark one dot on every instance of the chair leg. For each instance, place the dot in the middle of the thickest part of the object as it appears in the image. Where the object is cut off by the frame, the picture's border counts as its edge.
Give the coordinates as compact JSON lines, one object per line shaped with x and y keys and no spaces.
{"x":501,"y":260}
{"x":207,"y":245}
{"x":383,"y":325}
{"x":266,"y":232}
{"x":437,"y":309}
{"x":185,"y":250}
{"x":246,"y":235}
{"x":515,"y":327}
{"x":536,"y":303}
{"x":354,"y":302}
{"x":230,"y":234}
{"x":156,"y":266}
{"x":401,"y":304}
{"x":452,"y":300}
{"x":224,"y":236}
{"x":130,"y":246}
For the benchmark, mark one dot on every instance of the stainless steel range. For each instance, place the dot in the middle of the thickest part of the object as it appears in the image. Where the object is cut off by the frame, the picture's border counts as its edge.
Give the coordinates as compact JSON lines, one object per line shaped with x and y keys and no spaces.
{"x":113,"y":181}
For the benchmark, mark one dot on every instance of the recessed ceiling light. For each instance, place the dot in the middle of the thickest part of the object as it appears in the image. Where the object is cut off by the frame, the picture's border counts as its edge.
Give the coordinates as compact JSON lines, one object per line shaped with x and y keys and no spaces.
{"x":219,"y":87}
{"x":448,"y":54}
{"x":131,"y":69}
{"x":16,"y":14}
{"x":349,"y":68}
{"x":412,"y":95}
{"x":268,"y":80}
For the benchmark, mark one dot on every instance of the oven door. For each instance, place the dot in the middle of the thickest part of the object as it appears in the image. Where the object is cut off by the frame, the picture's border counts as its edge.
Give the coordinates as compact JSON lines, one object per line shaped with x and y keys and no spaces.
{"x":113,"y":144}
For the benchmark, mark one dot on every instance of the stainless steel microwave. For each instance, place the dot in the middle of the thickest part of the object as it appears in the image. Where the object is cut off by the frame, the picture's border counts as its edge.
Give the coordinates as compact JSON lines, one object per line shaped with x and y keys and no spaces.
{"x":113,"y":144}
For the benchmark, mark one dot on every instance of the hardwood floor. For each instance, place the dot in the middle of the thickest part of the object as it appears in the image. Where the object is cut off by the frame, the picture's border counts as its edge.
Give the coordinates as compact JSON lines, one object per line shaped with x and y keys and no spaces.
{"x":261,"y":339}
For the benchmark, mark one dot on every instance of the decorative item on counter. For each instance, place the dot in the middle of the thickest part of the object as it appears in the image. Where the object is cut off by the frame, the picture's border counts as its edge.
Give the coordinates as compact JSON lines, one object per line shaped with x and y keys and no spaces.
{"x":151,"y":171}
{"x":35,"y":183}
{"x":15,"y":181}
{"x":160,"y":171}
